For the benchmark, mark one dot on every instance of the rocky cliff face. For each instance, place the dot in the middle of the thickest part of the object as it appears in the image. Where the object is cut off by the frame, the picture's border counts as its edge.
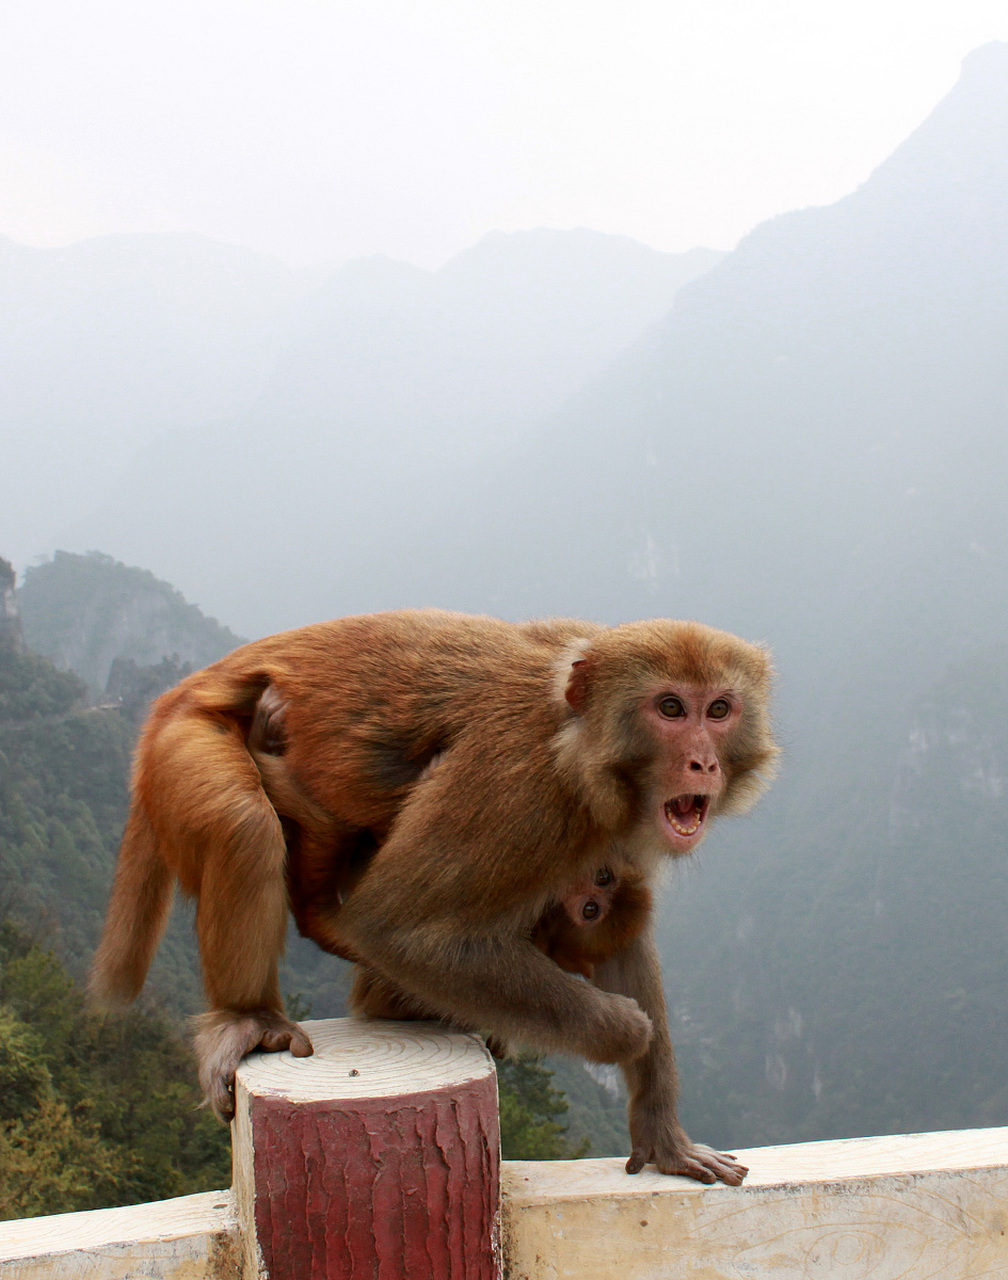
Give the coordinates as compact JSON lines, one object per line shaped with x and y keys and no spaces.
{"x":86,"y":612}
{"x":10,"y":621}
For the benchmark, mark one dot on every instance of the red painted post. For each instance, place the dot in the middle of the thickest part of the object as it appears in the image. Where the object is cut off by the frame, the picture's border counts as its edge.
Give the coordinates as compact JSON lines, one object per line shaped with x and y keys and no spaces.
{"x":378,"y":1157}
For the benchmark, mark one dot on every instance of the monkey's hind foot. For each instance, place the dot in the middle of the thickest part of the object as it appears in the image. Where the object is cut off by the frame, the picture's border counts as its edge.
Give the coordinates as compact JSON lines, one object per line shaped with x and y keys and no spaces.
{"x":225,"y":1036}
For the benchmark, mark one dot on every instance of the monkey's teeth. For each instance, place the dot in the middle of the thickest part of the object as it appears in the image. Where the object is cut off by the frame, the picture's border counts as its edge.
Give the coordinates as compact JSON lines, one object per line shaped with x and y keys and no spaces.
{"x":677,"y":809}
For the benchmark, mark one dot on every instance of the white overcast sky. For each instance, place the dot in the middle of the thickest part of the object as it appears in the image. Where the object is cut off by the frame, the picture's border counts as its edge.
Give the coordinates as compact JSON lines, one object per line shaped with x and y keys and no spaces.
{"x":319,"y":130}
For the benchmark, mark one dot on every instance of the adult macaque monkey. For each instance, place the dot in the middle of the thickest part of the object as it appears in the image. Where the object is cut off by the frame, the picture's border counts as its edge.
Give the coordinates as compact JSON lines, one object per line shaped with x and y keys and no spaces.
{"x":558,"y":748}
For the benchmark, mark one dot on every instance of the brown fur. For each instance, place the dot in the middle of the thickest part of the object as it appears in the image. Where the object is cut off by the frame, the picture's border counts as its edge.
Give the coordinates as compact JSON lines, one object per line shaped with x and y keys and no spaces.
{"x":552,"y":759}
{"x":591,"y":921}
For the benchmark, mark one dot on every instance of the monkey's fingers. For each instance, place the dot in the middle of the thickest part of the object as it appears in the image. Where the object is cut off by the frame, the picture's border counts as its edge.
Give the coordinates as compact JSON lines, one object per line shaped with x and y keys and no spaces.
{"x":685,"y":1166}
{"x":716,"y":1166}
{"x":220,"y":1098}
{"x":225,"y":1037}
{"x":699,"y":1162}
{"x":287,"y":1036}
{"x":301,"y":1046}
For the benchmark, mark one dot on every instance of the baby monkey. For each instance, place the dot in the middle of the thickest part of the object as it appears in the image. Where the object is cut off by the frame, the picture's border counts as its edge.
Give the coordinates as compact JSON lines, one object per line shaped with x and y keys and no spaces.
{"x":593,"y":921}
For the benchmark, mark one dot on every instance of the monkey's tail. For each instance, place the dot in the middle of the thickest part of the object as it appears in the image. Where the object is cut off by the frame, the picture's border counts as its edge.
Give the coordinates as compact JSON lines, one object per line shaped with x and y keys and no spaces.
{"x":137,"y":914}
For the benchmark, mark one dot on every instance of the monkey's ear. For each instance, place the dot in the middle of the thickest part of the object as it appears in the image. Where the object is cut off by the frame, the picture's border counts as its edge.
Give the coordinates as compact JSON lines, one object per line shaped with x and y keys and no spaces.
{"x":576,"y":691}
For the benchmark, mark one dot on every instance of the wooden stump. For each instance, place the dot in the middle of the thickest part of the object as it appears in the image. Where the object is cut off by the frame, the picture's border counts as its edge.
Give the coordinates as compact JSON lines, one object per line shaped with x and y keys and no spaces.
{"x":377,"y":1157}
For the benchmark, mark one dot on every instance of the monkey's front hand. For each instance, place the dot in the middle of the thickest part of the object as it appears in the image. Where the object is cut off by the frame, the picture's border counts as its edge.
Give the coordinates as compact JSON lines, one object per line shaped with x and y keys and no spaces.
{"x":690,"y":1159}
{"x":674,"y":1153}
{"x":658,"y":1140}
{"x":224,"y":1037}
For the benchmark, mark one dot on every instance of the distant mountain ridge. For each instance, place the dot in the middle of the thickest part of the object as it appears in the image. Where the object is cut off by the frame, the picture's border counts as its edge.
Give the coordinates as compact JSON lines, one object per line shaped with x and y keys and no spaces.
{"x":826,"y":361}
{"x":230,"y":361}
{"x":817,"y":419}
{"x":395,"y":383}
{"x":105,"y":343}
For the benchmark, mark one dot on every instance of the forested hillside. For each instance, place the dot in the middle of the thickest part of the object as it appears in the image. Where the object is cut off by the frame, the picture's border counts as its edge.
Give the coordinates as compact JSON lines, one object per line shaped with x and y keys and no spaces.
{"x":64,"y":768}
{"x":94,"y":1110}
{"x":64,"y":771}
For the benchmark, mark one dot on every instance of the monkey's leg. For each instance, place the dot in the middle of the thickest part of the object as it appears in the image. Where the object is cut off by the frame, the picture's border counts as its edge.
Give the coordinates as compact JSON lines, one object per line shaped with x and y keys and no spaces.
{"x":374,"y":996}
{"x":208,"y":802}
{"x":653,"y":1081}
{"x":321,"y":872}
{"x":241,"y":921}
{"x":502,"y":984}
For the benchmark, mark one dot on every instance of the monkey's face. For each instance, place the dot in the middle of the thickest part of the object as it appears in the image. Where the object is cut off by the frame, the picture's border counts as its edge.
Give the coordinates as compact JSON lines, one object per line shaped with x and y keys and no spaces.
{"x":693,"y":727}
{"x":587,"y":903}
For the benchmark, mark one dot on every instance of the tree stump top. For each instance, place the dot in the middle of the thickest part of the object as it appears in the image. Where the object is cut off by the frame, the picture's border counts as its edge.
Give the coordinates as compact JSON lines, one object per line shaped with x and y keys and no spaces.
{"x":366,"y":1058}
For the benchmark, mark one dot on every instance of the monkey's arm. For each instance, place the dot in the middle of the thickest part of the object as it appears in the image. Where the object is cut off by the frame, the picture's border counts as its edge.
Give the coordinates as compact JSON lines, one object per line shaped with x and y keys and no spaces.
{"x":496,"y":982}
{"x":407,"y":918}
{"x":653,"y":1081}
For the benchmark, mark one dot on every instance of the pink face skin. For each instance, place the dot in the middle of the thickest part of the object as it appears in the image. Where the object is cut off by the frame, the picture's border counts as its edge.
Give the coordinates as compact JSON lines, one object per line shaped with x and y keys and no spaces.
{"x":692,"y":726}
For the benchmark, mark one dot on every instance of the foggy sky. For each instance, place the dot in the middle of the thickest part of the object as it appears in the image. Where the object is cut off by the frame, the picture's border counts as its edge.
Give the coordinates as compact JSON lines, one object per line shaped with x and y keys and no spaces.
{"x":319,"y":131}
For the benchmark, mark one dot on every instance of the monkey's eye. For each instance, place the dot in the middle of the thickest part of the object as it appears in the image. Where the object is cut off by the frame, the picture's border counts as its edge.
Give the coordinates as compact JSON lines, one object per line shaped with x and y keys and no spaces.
{"x":603,"y":877}
{"x":671,"y":708}
{"x":719,"y":709}
{"x":590,"y":909}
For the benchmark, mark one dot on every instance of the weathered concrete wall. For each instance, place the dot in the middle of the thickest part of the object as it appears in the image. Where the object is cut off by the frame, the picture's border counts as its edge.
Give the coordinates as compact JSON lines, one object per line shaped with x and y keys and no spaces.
{"x":908,"y":1208}
{"x":191,"y":1238}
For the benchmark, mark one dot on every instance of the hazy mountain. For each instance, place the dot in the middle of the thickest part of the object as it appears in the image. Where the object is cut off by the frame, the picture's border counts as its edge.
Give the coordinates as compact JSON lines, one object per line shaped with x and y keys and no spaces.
{"x":393,"y":381}
{"x":105,"y":343}
{"x":811,"y":442}
{"x":839,"y":969}
{"x":502,"y":334}
{"x":809,"y":437}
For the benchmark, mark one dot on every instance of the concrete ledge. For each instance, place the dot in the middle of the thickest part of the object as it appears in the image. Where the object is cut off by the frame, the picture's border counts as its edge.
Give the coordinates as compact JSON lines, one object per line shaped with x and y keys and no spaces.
{"x":902,"y":1208}
{"x":189,"y":1238}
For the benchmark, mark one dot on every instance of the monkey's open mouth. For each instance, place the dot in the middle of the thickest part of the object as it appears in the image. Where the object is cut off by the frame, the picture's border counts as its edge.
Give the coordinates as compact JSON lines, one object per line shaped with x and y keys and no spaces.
{"x":686,"y":814}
